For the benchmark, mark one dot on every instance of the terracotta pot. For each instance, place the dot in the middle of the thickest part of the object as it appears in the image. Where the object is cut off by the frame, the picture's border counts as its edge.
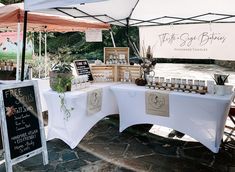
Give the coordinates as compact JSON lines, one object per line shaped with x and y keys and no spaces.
{"x":60,"y":80}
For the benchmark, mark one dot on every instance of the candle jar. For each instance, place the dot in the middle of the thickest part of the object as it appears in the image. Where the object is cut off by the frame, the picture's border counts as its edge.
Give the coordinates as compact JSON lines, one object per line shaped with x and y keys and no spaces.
{"x":178,"y":81}
{"x":190,"y":82}
{"x":196,"y":82}
{"x":184,"y":81}
{"x":162,"y":79}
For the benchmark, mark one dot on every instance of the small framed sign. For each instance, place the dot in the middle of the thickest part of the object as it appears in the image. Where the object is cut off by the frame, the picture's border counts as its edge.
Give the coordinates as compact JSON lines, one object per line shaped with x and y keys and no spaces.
{"x":82,"y":68}
{"x":93,"y":35}
{"x":22,"y":125}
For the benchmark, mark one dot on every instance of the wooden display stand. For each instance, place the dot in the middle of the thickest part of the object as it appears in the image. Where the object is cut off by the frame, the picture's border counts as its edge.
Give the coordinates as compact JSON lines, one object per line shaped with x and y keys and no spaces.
{"x":115,"y":73}
{"x":107,"y":71}
{"x":135,"y":72}
{"x":117,"y":54}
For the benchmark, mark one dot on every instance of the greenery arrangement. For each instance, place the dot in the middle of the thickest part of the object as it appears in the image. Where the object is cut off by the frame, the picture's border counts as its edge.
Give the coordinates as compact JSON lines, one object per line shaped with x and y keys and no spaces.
{"x":220,"y":79}
{"x":147,"y":62}
{"x":60,"y":81}
{"x":62,"y":67}
{"x":61,"y":77}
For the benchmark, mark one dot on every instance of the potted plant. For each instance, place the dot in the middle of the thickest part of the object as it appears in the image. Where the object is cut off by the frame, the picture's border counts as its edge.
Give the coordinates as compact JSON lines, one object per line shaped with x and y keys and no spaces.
{"x":60,"y":77}
{"x":60,"y":81}
{"x":220,"y":87}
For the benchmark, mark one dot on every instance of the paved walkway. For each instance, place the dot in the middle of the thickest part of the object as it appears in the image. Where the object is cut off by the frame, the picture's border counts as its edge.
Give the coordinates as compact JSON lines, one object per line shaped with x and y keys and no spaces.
{"x":104,"y":149}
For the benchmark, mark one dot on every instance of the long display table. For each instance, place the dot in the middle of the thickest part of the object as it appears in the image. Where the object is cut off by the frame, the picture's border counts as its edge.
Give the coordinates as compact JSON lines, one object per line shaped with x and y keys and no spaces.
{"x":202,"y":117}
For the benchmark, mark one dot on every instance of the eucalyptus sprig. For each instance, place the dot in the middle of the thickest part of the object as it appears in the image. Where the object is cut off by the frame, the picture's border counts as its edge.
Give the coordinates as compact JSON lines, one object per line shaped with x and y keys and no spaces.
{"x":64,"y":108}
{"x":220,"y":79}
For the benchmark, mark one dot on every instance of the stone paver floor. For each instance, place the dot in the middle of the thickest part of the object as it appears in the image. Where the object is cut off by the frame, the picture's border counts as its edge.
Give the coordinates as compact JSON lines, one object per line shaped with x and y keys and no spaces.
{"x":104,"y":149}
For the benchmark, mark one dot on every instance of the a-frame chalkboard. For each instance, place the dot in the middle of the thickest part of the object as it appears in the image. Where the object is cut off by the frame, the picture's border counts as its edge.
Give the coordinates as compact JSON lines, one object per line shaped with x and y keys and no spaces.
{"x":22,"y":125}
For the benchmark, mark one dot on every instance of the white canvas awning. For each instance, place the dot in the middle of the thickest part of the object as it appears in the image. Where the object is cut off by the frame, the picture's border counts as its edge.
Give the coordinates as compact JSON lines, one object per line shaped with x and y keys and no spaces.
{"x":140,"y":12}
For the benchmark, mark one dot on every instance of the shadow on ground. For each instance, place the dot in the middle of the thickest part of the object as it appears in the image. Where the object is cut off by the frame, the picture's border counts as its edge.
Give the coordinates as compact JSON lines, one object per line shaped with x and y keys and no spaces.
{"x":139,"y":150}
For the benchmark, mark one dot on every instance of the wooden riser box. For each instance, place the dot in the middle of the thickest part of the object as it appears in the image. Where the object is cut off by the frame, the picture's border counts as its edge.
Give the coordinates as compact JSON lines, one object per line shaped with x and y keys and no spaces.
{"x":116,"y":55}
{"x":114,"y":73}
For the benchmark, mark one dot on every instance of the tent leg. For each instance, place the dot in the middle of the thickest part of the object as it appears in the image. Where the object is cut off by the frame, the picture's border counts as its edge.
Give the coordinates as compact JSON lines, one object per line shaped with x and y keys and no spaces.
{"x":24,"y":45}
{"x":40,"y":54}
{"x":127,"y":31}
{"x":45,"y":59}
{"x":111,"y":34}
{"x":18,"y":53}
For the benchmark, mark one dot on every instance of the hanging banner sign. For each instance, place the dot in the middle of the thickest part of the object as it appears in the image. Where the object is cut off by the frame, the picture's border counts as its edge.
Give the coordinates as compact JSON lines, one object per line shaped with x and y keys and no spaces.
{"x":198,"y":41}
{"x":9,"y":45}
{"x":93,"y":35}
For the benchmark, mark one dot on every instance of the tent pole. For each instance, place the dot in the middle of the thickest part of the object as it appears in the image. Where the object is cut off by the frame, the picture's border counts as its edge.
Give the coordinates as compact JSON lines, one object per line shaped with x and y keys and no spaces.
{"x":18,"y":53}
{"x":45,"y":59}
{"x":127,"y":31}
{"x":111,"y":33}
{"x":40,"y":54}
{"x":24,"y":45}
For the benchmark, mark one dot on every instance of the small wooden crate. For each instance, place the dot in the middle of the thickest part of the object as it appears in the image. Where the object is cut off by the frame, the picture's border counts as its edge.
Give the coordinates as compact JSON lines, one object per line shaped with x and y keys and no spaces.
{"x":116,"y":53}
{"x":114,"y":73}
{"x":105,"y":71}
{"x":135,"y":72}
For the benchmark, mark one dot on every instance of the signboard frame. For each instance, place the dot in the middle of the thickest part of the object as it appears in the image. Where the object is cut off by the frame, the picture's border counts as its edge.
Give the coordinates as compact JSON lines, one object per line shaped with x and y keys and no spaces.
{"x":89,"y":73}
{"x":6,"y":144}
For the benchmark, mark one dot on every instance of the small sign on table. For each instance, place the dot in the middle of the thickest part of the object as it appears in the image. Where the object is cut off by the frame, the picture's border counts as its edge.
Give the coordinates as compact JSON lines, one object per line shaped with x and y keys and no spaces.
{"x":83,"y":68}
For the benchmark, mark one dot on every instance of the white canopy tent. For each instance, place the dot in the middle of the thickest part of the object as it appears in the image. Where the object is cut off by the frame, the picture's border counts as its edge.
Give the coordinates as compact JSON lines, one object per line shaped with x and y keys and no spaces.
{"x":141,"y":12}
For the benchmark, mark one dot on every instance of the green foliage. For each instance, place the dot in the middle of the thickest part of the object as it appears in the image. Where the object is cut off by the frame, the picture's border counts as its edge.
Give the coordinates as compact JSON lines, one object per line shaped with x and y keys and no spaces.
{"x":61,"y":67}
{"x":77,"y":47}
{"x":62,"y":84}
{"x":6,"y":2}
{"x":12,"y":55}
{"x":220,"y":79}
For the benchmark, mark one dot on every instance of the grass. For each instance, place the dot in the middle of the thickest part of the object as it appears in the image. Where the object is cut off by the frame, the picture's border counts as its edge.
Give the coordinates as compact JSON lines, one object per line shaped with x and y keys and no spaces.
{"x":12,"y":56}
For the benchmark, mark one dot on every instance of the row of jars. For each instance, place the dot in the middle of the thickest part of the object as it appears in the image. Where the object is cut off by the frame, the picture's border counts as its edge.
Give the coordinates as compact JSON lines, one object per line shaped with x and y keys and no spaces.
{"x":80,"y":82}
{"x":177,"y":84}
{"x":6,"y":66}
{"x":116,"y":59}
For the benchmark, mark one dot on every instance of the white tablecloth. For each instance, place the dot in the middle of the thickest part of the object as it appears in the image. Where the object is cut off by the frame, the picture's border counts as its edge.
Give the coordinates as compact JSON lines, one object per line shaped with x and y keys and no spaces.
{"x":72,"y":131}
{"x":199,"y":116}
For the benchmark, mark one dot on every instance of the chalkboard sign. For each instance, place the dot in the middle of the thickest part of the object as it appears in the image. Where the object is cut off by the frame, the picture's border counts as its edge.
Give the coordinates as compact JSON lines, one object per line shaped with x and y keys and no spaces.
{"x":83,"y":68}
{"x":22,"y":121}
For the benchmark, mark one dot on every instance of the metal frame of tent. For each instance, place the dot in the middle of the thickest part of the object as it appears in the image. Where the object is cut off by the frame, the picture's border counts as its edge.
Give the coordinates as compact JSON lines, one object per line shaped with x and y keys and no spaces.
{"x":129,"y":21}
{"x":155,"y":21}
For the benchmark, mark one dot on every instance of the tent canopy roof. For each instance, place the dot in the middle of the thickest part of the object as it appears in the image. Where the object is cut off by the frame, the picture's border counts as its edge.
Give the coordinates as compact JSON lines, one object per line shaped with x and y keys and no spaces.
{"x":12,"y":14}
{"x":140,"y":12}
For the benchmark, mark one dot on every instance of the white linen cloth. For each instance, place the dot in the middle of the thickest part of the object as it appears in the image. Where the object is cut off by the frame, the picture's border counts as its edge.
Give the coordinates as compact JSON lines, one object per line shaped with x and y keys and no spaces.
{"x":72,"y":130}
{"x":199,"y":116}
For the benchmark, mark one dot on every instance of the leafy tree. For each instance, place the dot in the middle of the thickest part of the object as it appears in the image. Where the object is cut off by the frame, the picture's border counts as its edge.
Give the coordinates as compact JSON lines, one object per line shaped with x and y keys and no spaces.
{"x":6,"y":2}
{"x":76,"y":44}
